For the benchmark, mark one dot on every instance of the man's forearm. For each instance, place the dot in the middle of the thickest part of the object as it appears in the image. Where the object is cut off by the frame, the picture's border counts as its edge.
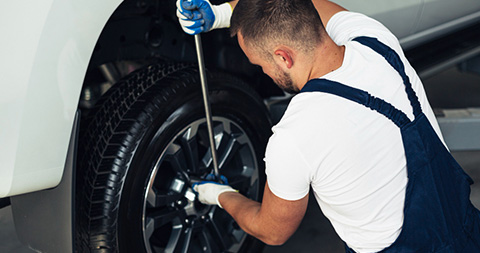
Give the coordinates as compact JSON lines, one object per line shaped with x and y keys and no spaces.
{"x":245,"y":211}
{"x":273,"y":221}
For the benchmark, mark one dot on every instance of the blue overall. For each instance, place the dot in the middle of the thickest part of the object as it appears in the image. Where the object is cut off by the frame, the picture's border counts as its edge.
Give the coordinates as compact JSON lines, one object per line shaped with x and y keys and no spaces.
{"x":438,"y":214}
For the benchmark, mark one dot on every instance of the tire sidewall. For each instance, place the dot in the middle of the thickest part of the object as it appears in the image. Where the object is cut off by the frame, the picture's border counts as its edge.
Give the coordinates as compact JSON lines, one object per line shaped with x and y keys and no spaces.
{"x":229,"y":99}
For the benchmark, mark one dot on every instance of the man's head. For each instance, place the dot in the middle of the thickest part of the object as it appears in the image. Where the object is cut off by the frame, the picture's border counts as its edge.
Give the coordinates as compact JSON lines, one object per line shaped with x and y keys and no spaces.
{"x":273,"y":32}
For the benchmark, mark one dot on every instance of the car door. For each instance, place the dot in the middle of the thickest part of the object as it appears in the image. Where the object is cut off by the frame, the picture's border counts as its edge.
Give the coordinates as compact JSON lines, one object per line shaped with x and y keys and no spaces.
{"x":442,"y":16}
{"x":401,"y":17}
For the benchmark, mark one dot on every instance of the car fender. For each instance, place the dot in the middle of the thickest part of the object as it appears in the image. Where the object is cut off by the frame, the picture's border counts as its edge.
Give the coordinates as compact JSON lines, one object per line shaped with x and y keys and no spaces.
{"x":46,"y":47}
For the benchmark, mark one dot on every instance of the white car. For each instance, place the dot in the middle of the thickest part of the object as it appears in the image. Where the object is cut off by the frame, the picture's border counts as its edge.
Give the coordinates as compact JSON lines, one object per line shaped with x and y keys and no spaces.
{"x":102,"y":127}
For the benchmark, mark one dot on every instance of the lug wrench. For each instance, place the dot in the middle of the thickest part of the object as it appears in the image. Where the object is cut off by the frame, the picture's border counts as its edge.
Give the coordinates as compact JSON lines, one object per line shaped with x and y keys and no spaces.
{"x":206,"y":103}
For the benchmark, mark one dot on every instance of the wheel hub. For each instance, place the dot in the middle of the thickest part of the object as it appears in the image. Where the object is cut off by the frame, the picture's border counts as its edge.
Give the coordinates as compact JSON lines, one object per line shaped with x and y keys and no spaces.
{"x":193,"y":207}
{"x":174,"y":219}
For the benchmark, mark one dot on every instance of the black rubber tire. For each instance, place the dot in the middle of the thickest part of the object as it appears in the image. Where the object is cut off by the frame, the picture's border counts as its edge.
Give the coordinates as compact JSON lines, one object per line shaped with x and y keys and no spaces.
{"x":135,"y":120}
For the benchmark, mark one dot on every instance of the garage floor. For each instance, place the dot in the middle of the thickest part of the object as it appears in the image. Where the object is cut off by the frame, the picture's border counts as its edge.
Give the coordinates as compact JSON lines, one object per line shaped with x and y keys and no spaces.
{"x":315,"y":234}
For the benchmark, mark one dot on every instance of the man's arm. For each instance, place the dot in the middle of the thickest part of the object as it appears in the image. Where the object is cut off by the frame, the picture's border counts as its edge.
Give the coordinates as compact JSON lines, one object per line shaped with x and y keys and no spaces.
{"x":233,"y":3}
{"x":273,"y":221}
{"x":325,"y":9}
{"x":218,"y":16}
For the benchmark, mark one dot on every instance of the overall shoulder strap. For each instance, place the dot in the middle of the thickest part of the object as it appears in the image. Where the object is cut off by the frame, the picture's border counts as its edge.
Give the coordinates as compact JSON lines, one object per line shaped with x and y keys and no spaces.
{"x":359,"y":96}
{"x":394,"y":60}
{"x":364,"y":98}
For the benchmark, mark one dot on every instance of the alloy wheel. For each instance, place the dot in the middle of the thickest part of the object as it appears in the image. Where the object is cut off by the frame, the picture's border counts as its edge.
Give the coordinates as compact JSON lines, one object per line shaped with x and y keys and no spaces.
{"x":173,"y":219}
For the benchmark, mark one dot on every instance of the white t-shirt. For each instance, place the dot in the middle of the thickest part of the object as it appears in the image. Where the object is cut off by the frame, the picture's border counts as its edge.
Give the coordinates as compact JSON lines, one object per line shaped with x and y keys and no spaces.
{"x":351,"y":156}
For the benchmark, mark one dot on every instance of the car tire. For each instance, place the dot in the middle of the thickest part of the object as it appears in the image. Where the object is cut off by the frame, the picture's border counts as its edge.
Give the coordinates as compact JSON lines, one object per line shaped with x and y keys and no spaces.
{"x":146,"y":142}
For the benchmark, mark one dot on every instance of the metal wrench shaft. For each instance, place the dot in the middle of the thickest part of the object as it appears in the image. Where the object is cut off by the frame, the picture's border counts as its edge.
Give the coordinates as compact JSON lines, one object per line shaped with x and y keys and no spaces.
{"x":206,"y":102}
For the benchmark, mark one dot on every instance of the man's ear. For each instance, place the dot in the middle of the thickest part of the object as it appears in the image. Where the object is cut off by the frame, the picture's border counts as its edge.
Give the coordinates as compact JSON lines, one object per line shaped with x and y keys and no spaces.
{"x":284,"y":57}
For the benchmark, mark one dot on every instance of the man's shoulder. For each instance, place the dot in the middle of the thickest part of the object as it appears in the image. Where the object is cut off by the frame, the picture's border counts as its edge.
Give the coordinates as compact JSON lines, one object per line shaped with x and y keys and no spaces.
{"x":309,"y":113}
{"x":305,"y":104}
{"x":345,"y":26}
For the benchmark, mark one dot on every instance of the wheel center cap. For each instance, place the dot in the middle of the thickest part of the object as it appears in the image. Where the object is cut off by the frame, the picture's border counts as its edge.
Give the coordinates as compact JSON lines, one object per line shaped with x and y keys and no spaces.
{"x":194,"y":207}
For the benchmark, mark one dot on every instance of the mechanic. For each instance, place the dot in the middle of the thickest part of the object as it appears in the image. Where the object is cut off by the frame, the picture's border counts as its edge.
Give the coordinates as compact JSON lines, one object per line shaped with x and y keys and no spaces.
{"x":377,"y":164}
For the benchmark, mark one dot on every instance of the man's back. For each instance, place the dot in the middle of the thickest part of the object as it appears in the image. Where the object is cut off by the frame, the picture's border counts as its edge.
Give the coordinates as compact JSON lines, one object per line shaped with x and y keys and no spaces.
{"x":352,"y":156}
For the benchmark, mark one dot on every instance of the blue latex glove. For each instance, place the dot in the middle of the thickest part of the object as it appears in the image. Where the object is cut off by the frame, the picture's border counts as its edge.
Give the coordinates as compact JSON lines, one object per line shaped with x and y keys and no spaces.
{"x":209,"y":190}
{"x":196,"y":16}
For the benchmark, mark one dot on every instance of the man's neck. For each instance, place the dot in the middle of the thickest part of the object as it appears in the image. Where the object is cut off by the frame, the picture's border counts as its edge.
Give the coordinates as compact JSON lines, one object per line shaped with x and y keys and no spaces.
{"x":327,"y":57}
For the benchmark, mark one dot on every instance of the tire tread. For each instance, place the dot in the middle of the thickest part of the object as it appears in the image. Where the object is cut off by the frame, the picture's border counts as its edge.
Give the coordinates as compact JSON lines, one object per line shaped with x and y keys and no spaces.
{"x":108,"y":140}
{"x":105,"y":150}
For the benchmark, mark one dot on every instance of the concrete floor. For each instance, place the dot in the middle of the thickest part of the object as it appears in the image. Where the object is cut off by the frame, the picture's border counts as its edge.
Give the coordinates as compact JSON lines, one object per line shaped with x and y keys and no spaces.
{"x":315,"y":233}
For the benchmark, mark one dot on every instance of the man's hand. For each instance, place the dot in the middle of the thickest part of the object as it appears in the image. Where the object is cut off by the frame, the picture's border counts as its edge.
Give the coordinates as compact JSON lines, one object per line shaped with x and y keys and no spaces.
{"x":196,"y":16}
{"x":209,"y":191}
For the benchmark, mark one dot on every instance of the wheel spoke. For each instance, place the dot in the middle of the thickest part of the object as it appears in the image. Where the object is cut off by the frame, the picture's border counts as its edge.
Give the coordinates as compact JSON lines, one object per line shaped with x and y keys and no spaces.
{"x":205,"y":242}
{"x":175,"y":156}
{"x":227,"y":148}
{"x":189,"y":145}
{"x":184,"y":240}
{"x":219,"y":136}
{"x":158,"y":219}
{"x":228,"y":151}
{"x":234,"y":132}
{"x":155,"y":200}
{"x":217,"y":236}
{"x":207,"y":159}
{"x":162,"y":217}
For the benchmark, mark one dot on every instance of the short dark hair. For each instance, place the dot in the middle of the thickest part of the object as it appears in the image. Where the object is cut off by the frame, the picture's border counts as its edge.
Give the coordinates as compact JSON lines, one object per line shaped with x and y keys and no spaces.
{"x":293,"y":22}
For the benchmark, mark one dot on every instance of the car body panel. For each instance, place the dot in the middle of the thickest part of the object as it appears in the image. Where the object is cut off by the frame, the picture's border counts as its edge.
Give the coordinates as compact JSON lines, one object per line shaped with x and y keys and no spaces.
{"x":437,"y":12}
{"x":46,"y":49}
{"x":389,"y":13}
{"x":47,"y":46}
{"x":439,"y":17}
{"x":418,"y":21}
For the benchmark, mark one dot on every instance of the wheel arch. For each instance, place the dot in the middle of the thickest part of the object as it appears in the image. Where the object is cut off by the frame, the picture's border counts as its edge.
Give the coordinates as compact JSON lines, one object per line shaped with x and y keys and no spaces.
{"x":45,"y":105}
{"x":57,"y":47}
{"x":143,"y":32}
